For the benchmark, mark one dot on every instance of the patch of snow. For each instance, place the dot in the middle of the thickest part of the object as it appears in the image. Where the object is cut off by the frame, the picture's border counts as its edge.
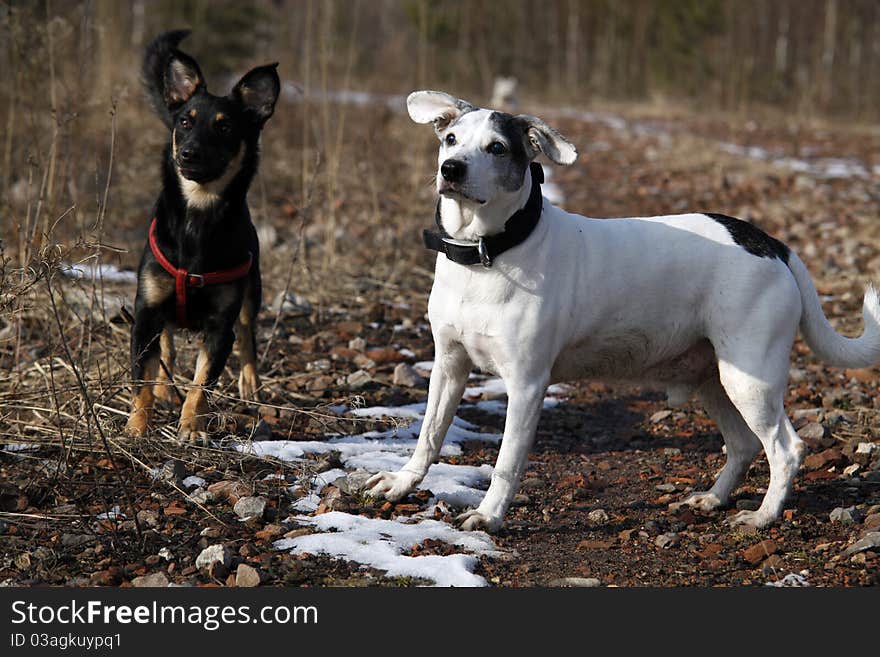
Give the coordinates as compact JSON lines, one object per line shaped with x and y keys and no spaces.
{"x":384,"y":544}
{"x":193,"y":482}
{"x":790,"y":580}
{"x":107,"y":272}
{"x":20,"y":447}
{"x":490,"y":387}
{"x":113,"y":514}
{"x":826,"y":167}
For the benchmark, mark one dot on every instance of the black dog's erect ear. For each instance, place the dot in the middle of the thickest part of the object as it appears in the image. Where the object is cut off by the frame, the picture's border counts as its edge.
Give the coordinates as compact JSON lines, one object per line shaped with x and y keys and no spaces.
{"x":157,"y":57}
{"x":258,"y":92}
{"x":182,"y":79}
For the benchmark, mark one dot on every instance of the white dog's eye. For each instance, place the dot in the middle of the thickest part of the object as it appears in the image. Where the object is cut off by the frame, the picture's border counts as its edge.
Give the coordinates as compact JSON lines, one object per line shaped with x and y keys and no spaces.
{"x":450,"y":139}
{"x":497,"y":148}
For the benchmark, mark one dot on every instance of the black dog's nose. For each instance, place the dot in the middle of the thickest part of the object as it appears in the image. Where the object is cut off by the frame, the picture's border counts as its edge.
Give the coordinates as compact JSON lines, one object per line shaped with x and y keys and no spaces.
{"x":453,"y":170}
{"x":187,"y":154}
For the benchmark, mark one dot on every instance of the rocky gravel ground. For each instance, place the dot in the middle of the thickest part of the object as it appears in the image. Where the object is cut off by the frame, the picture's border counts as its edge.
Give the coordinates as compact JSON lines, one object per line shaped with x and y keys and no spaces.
{"x":593,"y":509}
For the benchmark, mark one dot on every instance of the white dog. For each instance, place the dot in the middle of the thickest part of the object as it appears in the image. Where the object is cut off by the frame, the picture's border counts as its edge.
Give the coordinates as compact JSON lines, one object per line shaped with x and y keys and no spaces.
{"x":699,"y":304}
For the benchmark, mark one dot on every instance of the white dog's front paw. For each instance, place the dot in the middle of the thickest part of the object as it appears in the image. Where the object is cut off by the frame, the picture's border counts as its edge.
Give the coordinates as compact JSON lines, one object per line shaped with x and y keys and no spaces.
{"x":392,"y":485}
{"x":474,"y":519}
{"x":703,"y":501}
{"x":755,"y":519}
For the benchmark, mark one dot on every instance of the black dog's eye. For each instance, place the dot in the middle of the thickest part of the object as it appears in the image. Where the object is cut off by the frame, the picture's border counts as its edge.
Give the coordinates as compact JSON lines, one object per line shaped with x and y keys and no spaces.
{"x":224,"y":128}
{"x":185,"y":122}
{"x":497,"y":148}
{"x":450,"y":139}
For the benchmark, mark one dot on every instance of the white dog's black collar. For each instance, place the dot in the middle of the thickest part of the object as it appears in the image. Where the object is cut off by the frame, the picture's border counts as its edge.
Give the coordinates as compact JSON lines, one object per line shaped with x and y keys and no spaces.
{"x":516,"y":230}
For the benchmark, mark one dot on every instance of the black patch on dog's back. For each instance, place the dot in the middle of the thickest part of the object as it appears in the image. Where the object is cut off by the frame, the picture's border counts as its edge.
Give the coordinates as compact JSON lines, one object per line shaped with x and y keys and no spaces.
{"x":751,"y":238}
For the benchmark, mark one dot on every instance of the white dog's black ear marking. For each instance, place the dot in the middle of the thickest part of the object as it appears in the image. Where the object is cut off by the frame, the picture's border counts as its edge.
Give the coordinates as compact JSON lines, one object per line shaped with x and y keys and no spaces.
{"x":544,"y":139}
{"x":436,"y":107}
{"x":183,"y":79}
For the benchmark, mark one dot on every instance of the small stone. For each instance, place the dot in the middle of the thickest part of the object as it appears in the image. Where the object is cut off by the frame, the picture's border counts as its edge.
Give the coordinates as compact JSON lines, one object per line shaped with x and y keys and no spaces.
{"x":151,"y":581}
{"x":229,"y":490}
{"x":823,"y":459}
{"x":578,"y":582}
{"x":598,"y":516}
{"x":76,"y":540}
{"x":192,"y":482}
{"x":850,"y":470}
{"x":352,"y":483}
{"x":405,"y":375}
{"x":844,"y":516}
{"x":247,"y":576}
{"x":263,"y":431}
{"x":659,"y":416}
{"x":332,"y":500}
{"x":291,"y":304}
{"x":872,"y":521}
{"x":250,"y":507}
{"x":201,"y":496}
{"x":811,"y":431}
{"x":747,"y":505}
{"x":758,"y":552}
{"x":864,"y":452}
{"x":148,"y":517}
{"x":772,"y":564}
{"x":797,"y":375}
{"x":328,"y":461}
{"x":363,"y":362}
{"x":212,"y":554}
{"x":666,"y":541}
{"x":296,"y":533}
{"x":269,"y":532}
{"x":166,"y":554}
{"x":357,"y":344}
{"x":869,"y":541}
{"x":665,"y":488}
{"x":531,"y":483}
{"x":358,"y":379}
{"x":173,"y":470}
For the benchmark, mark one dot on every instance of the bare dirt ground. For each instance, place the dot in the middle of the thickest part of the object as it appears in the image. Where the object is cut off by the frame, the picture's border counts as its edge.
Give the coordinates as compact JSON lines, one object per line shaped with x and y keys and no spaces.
{"x":608,"y":460}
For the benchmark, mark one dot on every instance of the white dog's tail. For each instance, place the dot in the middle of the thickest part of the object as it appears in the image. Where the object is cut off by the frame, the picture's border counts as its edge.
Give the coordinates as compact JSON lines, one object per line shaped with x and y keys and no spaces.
{"x":828,"y":344}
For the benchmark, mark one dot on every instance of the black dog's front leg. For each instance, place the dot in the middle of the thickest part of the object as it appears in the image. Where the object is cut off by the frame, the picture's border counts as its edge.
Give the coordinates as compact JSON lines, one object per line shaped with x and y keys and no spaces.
{"x":148,"y":325}
{"x":217,"y":345}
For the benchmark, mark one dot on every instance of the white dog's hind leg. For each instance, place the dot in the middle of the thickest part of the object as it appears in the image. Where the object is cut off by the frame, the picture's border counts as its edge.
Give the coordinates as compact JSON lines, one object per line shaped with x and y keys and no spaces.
{"x":756,"y":387}
{"x":742,"y":447}
{"x":524,"y":404}
{"x":448,"y":378}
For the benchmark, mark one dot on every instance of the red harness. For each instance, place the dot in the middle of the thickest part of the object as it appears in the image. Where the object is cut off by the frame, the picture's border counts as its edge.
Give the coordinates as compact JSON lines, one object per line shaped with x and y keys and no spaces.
{"x":183,"y":279}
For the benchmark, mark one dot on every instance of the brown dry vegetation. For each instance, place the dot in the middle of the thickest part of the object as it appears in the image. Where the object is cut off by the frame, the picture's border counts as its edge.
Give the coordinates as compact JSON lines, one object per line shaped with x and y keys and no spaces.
{"x":342,"y":195}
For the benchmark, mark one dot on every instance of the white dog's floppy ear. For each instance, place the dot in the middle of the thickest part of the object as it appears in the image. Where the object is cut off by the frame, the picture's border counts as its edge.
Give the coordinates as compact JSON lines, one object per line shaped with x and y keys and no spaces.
{"x":544,"y":139}
{"x":435,"y":107}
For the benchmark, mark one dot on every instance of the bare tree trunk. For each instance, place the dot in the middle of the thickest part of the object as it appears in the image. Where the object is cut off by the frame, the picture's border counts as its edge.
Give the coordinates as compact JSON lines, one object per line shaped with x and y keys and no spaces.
{"x":828,"y":51}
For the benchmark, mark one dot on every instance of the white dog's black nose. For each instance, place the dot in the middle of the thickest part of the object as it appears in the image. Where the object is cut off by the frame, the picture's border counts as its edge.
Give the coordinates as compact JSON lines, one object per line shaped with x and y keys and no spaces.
{"x":453,"y":170}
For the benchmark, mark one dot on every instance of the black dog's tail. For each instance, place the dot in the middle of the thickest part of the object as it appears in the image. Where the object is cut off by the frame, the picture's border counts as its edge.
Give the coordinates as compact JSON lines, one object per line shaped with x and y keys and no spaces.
{"x":155,"y":62}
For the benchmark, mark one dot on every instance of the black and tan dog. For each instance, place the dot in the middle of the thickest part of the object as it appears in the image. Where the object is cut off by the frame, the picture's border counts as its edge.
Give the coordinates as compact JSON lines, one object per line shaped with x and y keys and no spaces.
{"x":200,"y":267}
